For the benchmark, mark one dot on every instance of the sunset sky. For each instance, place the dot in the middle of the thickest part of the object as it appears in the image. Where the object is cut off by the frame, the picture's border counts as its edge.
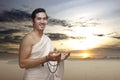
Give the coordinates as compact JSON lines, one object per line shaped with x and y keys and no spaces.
{"x":88,"y":29}
{"x":87,"y":23}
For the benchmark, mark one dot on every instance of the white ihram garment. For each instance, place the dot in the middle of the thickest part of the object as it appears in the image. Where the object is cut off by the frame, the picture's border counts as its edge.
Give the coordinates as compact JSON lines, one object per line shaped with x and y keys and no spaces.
{"x":41,"y":49}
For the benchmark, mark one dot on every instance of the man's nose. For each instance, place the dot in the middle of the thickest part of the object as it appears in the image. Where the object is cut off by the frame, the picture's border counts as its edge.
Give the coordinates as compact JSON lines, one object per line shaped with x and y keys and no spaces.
{"x":42,"y":20}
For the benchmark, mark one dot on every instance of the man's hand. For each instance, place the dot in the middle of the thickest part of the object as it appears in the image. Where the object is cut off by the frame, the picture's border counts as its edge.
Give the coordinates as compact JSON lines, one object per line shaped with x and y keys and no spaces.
{"x":54,"y":56}
{"x":64,"y":55}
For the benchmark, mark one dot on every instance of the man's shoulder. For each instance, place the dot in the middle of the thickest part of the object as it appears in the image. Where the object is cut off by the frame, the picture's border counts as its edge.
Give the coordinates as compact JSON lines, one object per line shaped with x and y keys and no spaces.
{"x":27,"y":38}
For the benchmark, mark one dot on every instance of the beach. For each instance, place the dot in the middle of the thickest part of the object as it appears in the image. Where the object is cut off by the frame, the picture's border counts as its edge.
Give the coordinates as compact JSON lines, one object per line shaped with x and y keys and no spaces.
{"x":74,"y":70}
{"x":92,"y":70}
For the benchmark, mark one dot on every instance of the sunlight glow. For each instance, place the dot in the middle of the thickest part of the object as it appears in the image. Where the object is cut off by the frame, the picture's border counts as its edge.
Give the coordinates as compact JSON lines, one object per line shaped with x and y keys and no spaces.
{"x":85,"y":55}
{"x":87,"y":39}
{"x":82,"y":38}
{"x":81,"y":55}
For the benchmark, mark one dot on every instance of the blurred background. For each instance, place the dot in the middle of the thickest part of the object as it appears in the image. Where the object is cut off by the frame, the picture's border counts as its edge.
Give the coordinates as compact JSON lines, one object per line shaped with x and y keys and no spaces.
{"x":89,"y":27}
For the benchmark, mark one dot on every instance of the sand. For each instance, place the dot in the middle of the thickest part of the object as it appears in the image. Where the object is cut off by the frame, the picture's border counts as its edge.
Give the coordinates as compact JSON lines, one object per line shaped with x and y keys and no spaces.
{"x":74,"y":70}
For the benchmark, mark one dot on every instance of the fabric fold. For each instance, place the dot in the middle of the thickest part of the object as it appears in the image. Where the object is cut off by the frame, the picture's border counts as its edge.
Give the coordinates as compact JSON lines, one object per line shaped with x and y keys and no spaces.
{"x":41,"y":49}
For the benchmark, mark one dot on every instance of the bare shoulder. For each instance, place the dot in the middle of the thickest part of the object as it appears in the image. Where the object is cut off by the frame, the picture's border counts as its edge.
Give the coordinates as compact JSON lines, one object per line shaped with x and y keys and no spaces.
{"x":27,"y":39}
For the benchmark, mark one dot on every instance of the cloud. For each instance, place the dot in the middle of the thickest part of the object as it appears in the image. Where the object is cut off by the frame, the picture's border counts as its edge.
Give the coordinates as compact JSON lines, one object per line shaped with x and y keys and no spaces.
{"x":53,"y":21}
{"x":20,"y":15}
{"x":14,"y":15}
{"x":99,"y":35}
{"x":57,"y":36}
{"x":10,"y":38}
{"x":86,"y":22}
{"x":81,"y":22}
{"x":9,"y":31}
{"x":60,"y":36}
{"x":115,"y":35}
{"x":6,"y":36}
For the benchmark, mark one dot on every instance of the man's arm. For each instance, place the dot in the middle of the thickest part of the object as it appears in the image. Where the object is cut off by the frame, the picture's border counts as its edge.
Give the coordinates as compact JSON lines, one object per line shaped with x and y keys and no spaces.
{"x":25,"y":51}
{"x":24,"y":54}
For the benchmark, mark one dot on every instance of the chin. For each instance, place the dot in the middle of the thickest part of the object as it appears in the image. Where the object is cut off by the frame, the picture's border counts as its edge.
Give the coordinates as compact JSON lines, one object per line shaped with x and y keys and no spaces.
{"x":41,"y":29}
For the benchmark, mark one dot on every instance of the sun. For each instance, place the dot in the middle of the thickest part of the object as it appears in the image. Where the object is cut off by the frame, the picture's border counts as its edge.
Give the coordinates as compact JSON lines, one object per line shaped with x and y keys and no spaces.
{"x":81,"y":55}
{"x":85,"y":55}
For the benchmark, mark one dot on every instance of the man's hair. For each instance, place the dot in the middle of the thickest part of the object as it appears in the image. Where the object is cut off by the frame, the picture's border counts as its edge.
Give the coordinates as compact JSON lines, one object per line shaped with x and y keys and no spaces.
{"x":37,"y":11}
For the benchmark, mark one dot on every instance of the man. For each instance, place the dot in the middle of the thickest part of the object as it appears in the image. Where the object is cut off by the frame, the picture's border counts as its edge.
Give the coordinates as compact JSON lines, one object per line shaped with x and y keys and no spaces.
{"x":36,"y":54}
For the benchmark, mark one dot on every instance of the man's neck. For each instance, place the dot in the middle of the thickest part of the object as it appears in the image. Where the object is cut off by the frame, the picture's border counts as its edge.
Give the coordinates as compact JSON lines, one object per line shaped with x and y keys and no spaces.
{"x":39,"y":33}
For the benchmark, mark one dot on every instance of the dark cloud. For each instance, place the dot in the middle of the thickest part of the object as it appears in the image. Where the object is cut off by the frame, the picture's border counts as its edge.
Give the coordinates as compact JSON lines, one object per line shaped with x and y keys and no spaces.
{"x":19,"y":15}
{"x":80,"y":22}
{"x":10,"y":39}
{"x":111,"y":35}
{"x":14,"y":15}
{"x":6,"y":36}
{"x":53,"y":21}
{"x":57,"y":36}
{"x":60,"y":36}
{"x":9,"y":31}
{"x":100,"y":35}
{"x":115,"y":35}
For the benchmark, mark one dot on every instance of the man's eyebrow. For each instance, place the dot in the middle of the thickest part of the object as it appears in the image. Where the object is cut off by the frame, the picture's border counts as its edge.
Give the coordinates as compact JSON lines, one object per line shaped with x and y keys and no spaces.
{"x":42,"y":17}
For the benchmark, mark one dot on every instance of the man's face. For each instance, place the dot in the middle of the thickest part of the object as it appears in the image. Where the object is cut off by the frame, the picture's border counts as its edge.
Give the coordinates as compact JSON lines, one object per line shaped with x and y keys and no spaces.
{"x":40,"y":21}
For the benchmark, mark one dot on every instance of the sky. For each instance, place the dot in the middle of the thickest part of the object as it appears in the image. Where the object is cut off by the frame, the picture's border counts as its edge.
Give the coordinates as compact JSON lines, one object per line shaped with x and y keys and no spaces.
{"x":107,"y":11}
{"x":92,"y":23}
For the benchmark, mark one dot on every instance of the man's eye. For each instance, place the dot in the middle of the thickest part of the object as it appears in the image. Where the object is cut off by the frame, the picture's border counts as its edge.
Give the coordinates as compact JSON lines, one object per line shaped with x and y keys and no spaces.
{"x":42,"y":18}
{"x":39,"y":18}
{"x":45,"y":18}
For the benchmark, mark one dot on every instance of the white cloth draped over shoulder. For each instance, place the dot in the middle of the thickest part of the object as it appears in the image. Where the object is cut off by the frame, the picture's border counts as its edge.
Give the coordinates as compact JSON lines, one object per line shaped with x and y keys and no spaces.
{"x":41,"y":49}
